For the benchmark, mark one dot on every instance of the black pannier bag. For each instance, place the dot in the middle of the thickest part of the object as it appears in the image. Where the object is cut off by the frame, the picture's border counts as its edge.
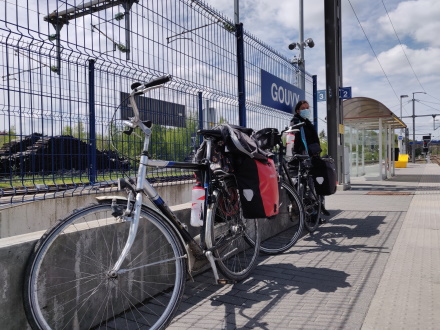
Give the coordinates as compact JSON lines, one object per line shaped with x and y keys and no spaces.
{"x":240,"y":141}
{"x":256,"y":175}
{"x":238,"y":153}
{"x":267,"y":138}
{"x":324,"y":175}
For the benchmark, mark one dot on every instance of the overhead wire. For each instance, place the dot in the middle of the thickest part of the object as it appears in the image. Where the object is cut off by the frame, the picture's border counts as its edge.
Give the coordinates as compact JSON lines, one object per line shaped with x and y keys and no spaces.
{"x":401,"y":45}
{"x":404,"y":52}
{"x":372,"y":49}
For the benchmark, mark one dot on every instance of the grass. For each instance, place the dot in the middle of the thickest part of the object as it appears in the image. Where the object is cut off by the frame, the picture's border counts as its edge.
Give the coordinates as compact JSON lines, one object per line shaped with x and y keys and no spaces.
{"x":30,"y":181}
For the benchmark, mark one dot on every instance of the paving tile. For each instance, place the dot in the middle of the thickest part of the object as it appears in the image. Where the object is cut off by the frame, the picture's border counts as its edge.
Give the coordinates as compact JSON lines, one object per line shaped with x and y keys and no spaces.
{"x":375,"y":265}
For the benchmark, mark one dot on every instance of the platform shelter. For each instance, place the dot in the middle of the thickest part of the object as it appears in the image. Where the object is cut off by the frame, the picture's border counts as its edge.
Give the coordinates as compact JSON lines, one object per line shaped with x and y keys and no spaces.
{"x":371,"y":138}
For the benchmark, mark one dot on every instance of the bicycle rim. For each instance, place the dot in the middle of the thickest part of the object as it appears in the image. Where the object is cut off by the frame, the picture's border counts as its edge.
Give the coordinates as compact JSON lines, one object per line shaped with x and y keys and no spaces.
{"x":312,"y":209}
{"x":282,"y":231}
{"x":68,"y":285}
{"x":233,"y":236}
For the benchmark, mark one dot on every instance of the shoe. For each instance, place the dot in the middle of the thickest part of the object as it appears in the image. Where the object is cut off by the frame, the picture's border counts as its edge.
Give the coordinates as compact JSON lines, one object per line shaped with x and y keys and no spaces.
{"x":321,"y":221}
{"x":324,"y":211}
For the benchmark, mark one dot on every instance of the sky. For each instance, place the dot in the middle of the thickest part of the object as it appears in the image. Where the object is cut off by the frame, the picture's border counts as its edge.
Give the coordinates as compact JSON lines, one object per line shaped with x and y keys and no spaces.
{"x":389,"y":48}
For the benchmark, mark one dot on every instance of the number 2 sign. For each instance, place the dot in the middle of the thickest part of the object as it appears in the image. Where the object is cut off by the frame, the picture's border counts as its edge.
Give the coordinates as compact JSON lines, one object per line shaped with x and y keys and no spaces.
{"x":345,"y":93}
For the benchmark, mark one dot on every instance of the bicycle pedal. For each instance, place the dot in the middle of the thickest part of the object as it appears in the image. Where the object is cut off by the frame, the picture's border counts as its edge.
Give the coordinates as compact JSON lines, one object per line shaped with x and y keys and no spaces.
{"x":225,"y":281}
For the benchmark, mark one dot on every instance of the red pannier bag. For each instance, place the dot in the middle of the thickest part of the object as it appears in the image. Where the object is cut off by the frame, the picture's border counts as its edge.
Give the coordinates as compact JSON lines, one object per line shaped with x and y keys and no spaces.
{"x":258,"y":186}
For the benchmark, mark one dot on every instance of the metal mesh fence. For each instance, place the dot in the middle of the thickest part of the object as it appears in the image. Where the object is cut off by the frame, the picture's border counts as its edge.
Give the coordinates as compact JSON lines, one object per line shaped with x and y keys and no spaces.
{"x":66,"y":69}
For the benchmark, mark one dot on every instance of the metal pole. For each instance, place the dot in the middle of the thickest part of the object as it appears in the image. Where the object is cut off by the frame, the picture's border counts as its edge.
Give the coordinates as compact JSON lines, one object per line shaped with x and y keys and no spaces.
{"x":127,"y":31}
{"x":92,"y":128}
{"x":315,"y":102}
{"x":333,"y":59}
{"x":301,"y":46}
{"x":200,"y":115}
{"x":236,"y":12}
{"x":239,"y":35}
{"x":413,"y":151}
{"x":402,"y":144}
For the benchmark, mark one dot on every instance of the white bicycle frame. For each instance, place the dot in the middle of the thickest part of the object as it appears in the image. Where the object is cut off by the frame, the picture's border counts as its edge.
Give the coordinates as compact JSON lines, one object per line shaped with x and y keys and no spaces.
{"x":143,"y":186}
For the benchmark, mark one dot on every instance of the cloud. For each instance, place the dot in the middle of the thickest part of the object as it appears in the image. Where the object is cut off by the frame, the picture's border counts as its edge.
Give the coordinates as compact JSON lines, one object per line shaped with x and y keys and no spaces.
{"x":416,"y":23}
{"x":414,"y":19}
{"x":425,"y":63}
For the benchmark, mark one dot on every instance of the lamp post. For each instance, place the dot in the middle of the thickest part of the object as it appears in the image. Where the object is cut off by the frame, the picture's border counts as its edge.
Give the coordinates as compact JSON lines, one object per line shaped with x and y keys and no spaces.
{"x":413,"y":151}
{"x":301,"y":45}
{"x":300,"y":60}
{"x":401,"y":130}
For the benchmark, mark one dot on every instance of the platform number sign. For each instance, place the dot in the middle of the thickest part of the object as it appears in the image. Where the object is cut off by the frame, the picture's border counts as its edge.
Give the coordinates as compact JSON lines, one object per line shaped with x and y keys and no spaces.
{"x":345,"y":93}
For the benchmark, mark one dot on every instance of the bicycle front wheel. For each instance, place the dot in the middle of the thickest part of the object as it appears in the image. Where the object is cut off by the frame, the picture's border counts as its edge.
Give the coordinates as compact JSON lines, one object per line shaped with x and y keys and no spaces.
{"x":280,"y":232}
{"x":68,"y":283}
{"x":236,"y":240}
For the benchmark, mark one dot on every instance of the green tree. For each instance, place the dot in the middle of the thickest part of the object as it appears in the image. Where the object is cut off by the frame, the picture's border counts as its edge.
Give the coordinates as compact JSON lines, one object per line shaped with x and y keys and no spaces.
{"x":78,"y":131}
{"x":173,"y":143}
{"x":7,"y":136}
{"x":324,"y":142}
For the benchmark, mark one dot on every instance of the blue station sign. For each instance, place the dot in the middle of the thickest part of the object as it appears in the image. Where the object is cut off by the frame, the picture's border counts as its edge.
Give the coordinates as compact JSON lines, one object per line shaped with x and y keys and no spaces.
{"x":279,"y":94}
{"x":321,"y":95}
{"x":345,"y":93}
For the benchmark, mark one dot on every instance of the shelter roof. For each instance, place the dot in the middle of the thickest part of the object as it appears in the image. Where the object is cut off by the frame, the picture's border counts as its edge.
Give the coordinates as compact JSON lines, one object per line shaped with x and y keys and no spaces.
{"x":363,"y":112}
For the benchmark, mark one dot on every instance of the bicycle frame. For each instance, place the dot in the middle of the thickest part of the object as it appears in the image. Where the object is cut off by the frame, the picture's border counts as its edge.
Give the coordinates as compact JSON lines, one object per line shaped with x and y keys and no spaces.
{"x":132,"y":213}
{"x":300,"y":181}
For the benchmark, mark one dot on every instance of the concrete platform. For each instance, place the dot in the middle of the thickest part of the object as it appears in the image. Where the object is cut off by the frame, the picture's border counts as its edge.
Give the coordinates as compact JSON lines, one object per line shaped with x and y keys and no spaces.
{"x":375,"y":265}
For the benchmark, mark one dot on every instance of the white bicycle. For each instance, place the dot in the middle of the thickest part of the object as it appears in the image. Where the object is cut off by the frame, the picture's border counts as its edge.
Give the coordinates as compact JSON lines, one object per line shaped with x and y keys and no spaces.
{"x":123,"y":264}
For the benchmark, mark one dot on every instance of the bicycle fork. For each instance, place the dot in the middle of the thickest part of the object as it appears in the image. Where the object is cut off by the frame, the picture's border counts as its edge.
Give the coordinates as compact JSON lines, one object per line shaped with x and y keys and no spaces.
{"x":134,"y":224}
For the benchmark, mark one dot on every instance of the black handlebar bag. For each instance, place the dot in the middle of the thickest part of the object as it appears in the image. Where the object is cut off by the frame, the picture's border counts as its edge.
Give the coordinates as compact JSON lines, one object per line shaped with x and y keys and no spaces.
{"x":324,"y":175}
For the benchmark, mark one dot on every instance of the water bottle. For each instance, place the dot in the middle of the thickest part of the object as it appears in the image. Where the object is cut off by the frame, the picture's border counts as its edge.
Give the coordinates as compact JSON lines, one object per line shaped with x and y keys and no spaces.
{"x":290,"y":140}
{"x":197,"y":205}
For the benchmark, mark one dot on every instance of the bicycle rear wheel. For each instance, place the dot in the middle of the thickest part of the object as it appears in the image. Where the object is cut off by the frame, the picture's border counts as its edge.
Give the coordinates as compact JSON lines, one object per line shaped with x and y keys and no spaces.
{"x":233,"y":236}
{"x":68,"y":284}
{"x":282,"y":231}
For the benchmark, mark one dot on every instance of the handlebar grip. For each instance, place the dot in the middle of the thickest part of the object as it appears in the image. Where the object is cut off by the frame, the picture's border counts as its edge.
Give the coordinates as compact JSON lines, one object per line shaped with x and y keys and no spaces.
{"x":158,"y":81}
{"x":297,"y":125}
{"x":210,"y":132}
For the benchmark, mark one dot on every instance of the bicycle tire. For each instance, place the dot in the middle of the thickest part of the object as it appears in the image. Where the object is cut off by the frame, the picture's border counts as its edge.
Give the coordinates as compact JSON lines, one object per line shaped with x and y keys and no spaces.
{"x":312,"y":210}
{"x":282,"y":231}
{"x":67,"y":284}
{"x":233,"y":236}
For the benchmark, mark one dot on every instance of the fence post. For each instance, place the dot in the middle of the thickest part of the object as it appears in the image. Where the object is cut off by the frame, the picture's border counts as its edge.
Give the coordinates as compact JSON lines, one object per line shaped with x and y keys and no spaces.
{"x":240,"y":75}
{"x":92,"y":130}
{"x":200,"y":116}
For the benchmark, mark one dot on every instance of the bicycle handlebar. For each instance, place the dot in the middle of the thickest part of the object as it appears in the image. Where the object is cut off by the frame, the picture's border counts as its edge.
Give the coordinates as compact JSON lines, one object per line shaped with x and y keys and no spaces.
{"x":139,"y":89}
{"x":292,"y":128}
{"x":210,"y":132}
{"x":158,"y":81}
{"x":152,"y":83}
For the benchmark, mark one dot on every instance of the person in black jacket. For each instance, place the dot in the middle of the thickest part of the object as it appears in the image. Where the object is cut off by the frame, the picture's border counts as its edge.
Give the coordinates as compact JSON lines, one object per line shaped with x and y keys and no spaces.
{"x":307,"y":137}
{"x":302,"y":114}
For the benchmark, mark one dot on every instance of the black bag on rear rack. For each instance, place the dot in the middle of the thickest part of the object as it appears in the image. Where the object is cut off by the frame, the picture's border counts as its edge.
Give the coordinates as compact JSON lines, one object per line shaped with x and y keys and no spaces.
{"x":255,"y":172}
{"x":238,"y":153}
{"x":267,"y":138}
{"x":324,"y":175}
